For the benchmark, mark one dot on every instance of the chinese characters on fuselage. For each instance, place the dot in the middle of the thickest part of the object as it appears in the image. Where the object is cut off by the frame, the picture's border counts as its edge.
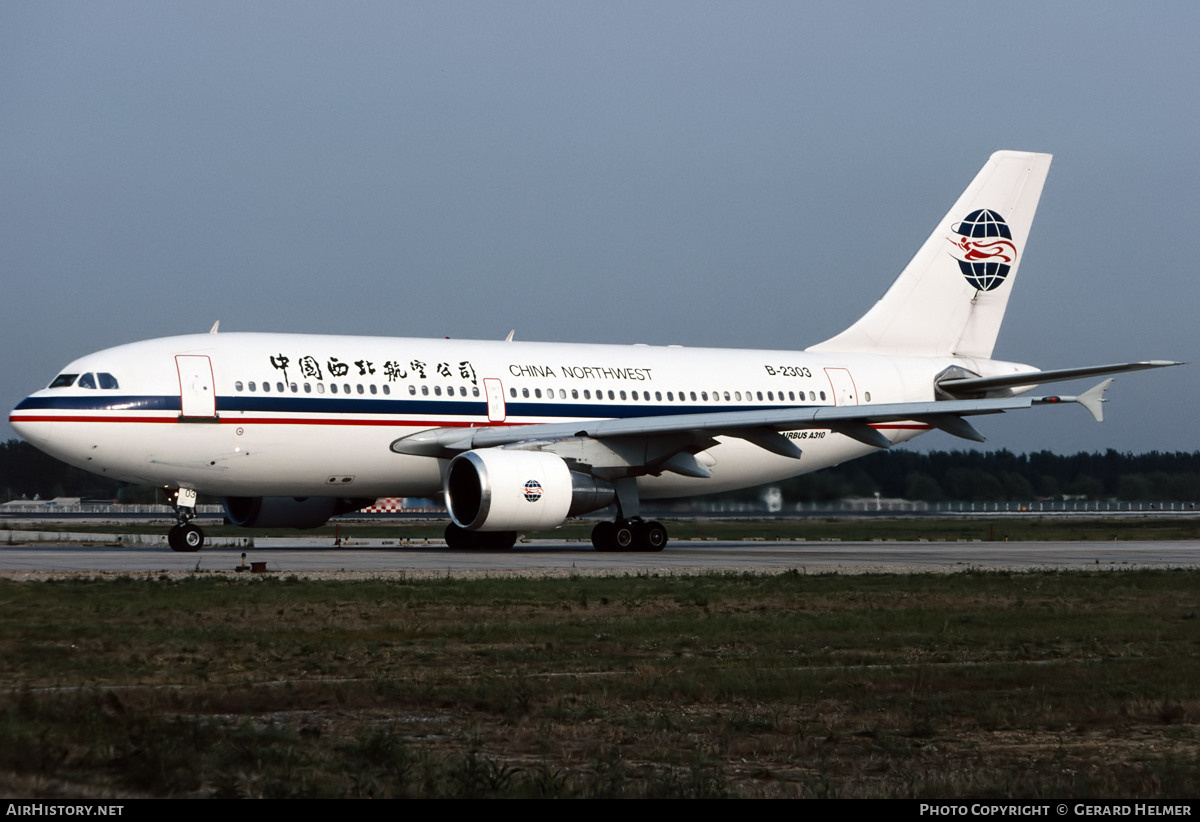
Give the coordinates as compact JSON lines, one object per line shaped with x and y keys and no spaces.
{"x":393,"y":370}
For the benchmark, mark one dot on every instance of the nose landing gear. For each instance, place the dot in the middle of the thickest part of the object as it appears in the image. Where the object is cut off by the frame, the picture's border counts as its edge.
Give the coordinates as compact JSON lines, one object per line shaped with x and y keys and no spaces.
{"x":185,"y":536}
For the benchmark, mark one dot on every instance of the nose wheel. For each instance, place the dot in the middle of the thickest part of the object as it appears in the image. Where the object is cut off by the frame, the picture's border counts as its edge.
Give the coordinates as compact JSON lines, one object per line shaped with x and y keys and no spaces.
{"x":629,"y":535}
{"x":186,"y":537}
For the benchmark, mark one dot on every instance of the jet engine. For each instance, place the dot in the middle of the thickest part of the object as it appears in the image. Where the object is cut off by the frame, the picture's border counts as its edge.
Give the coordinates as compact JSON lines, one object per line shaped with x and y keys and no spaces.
{"x":497,"y":489}
{"x":288,"y":512}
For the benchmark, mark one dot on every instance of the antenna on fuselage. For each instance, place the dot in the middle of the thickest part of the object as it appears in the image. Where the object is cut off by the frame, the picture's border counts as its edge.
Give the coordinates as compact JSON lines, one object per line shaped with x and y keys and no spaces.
{"x":213,"y":330}
{"x":510,"y":335}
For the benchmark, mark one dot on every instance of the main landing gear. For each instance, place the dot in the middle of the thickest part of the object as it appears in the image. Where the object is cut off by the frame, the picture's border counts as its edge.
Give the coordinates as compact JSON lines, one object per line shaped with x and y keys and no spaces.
{"x":185,"y":535}
{"x":629,"y":532}
{"x":629,"y":535}
{"x":457,"y":537}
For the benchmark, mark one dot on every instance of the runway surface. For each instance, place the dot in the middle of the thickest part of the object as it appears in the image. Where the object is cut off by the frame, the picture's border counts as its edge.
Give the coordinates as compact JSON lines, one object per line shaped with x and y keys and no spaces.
{"x":551,"y":558}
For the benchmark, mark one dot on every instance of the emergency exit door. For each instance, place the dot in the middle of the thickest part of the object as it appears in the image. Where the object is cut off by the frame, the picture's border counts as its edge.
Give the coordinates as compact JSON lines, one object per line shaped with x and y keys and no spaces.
{"x":495,"y":399}
{"x":842,"y":384}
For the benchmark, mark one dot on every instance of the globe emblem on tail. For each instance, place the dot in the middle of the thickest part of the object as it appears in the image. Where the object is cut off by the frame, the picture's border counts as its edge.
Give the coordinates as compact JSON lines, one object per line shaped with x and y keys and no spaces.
{"x":983,"y":248}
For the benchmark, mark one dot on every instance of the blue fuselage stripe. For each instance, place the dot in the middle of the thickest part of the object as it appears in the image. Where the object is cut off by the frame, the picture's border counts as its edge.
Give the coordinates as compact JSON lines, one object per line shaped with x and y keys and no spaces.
{"x":391,"y":407}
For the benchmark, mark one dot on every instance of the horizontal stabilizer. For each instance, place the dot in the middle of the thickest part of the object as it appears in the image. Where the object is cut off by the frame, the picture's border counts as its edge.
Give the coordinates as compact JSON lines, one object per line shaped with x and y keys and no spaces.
{"x":974,"y":386}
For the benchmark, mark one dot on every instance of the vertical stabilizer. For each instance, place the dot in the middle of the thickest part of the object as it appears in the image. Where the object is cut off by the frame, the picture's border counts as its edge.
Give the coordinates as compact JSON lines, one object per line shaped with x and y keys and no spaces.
{"x":950,"y":298}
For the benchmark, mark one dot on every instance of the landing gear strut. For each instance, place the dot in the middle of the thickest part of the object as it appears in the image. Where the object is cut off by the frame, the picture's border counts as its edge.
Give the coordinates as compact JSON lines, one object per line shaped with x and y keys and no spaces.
{"x":629,"y":535}
{"x":185,"y":535}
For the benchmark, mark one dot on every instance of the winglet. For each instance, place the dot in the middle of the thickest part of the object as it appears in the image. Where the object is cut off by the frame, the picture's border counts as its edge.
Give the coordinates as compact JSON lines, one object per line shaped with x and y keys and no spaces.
{"x":1093,"y":399}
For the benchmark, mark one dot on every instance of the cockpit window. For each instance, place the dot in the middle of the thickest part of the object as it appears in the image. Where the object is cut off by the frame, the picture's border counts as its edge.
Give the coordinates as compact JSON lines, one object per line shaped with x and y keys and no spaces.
{"x":102,"y":379}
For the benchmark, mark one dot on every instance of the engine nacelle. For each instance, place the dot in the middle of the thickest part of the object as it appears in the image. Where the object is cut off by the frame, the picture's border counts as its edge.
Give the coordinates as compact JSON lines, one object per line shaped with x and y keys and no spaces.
{"x":287,"y":512}
{"x":496,"y":489}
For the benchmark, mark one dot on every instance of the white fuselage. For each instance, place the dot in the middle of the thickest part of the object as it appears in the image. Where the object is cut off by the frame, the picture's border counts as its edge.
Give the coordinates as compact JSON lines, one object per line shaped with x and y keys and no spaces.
{"x":243,"y":414}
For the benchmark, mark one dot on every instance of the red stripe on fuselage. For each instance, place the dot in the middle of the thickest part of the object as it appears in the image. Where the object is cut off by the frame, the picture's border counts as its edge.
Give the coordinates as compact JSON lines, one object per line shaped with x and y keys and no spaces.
{"x":438,"y":423}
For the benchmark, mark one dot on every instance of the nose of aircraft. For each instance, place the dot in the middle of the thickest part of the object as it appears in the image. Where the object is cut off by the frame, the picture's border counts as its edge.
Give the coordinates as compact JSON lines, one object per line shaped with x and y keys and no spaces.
{"x":22,"y":421}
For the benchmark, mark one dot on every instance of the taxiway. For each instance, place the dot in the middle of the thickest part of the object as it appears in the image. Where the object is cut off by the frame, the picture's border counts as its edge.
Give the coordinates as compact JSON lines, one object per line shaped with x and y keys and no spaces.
{"x":552,"y":558}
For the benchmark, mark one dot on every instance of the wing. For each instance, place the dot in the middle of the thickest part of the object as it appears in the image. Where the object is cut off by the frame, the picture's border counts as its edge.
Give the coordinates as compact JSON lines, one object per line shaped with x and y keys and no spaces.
{"x":668,"y":443}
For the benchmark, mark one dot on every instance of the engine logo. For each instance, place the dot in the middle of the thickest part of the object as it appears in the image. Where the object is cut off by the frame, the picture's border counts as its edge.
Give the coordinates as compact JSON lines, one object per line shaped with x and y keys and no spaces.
{"x":983,"y":248}
{"x":533,"y":491}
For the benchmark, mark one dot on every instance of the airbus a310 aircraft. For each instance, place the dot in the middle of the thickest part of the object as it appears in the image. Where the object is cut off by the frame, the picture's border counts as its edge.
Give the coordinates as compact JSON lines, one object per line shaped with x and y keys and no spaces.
{"x":290,"y":430}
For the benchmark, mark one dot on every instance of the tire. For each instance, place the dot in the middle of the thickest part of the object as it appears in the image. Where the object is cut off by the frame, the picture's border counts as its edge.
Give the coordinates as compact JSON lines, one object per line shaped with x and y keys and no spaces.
{"x":497,"y":540}
{"x":462,"y":539}
{"x":193,"y":537}
{"x":654,"y":537}
{"x":625,"y":536}
{"x":604,"y":536}
{"x":185,"y":538}
{"x":457,"y":538}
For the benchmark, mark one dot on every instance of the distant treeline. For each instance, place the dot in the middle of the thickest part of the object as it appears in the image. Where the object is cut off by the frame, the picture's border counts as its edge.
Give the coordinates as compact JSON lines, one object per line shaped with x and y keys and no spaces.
{"x":934,"y":476}
{"x":26,"y":472}
{"x":1003,"y":475}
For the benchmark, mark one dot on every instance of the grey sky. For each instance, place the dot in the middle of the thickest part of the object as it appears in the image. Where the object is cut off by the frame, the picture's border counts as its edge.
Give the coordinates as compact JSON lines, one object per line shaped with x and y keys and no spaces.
{"x":730,"y":174}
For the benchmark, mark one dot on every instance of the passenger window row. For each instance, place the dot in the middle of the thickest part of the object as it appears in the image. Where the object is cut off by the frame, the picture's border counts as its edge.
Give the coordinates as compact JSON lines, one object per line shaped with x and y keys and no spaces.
{"x":105,"y":380}
{"x":683,"y":396}
{"x":267,"y":387}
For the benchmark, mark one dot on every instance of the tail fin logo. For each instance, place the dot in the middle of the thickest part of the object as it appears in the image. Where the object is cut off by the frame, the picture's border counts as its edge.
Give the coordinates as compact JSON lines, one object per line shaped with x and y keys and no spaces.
{"x":984,"y":249}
